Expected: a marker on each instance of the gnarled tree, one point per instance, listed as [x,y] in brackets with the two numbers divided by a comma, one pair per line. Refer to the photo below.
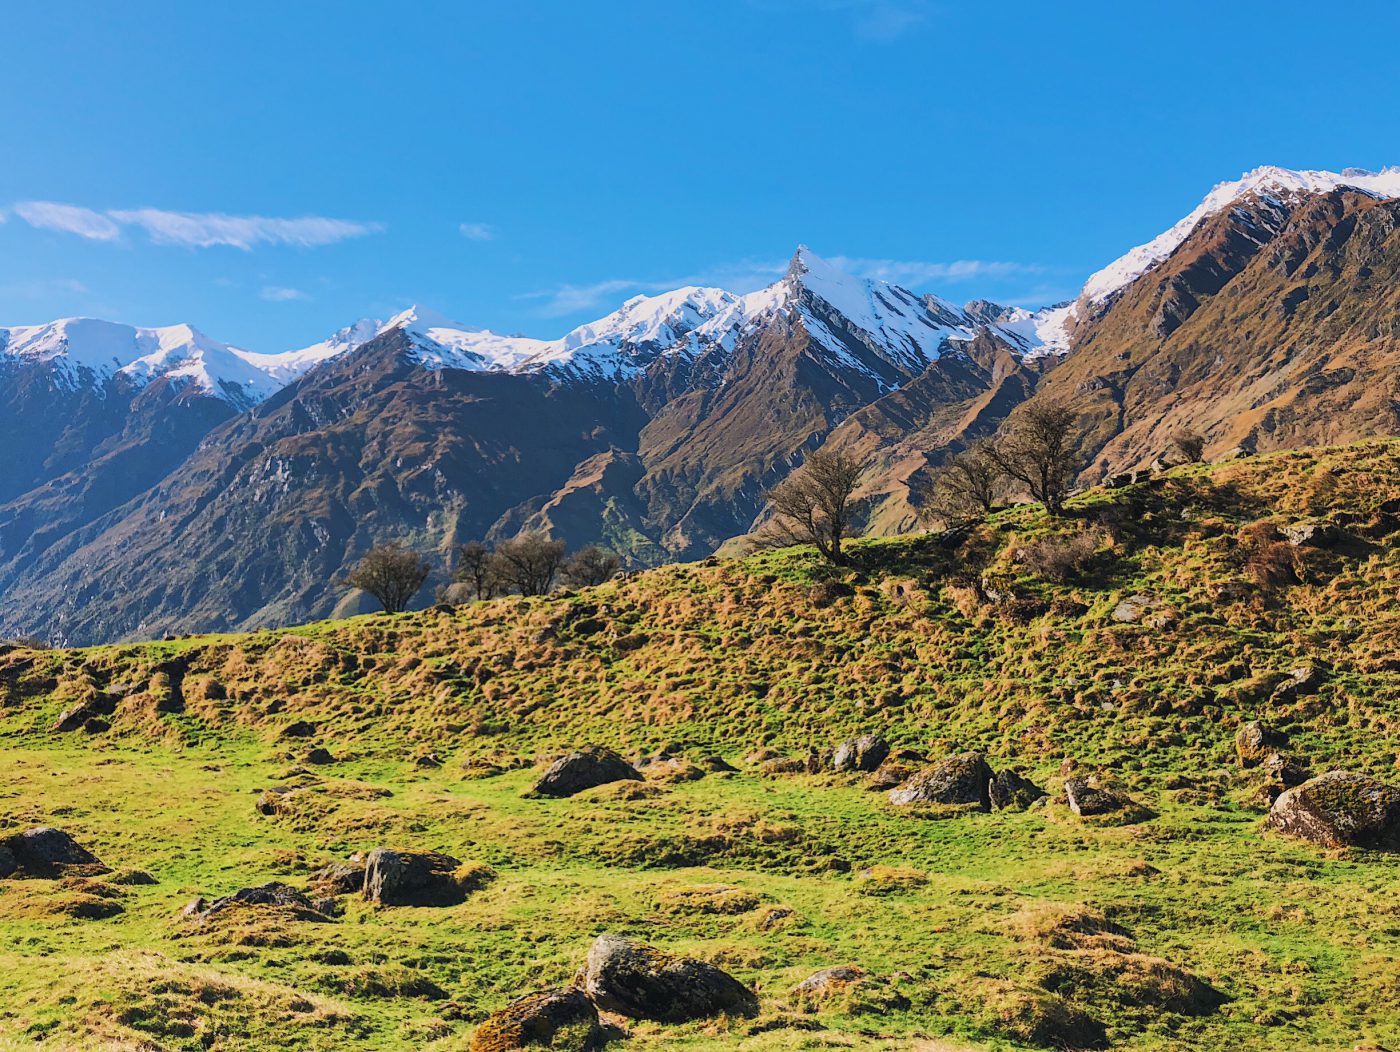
[965,488]
[816,505]
[476,568]
[391,573]
[591,566]
[529,562]
[1039,451]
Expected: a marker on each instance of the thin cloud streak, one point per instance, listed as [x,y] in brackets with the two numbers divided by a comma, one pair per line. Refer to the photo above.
[68,219]
[192,229]
[477,231]
[281,294]
[749,275]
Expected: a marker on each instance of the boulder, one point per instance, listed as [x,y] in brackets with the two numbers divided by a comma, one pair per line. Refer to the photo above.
[47,852]
[78,716]
[273,893]
[1340,809]
[1312,533]
[8,863]
[426,878]
[1285,770]
[673,769]
[1255,740]
[865,753]
[563,1019]
[1134,608]
[340,878]
[1087,799]
[584,769]
[319,756]
[1010,791]
[646,983]
[961,779]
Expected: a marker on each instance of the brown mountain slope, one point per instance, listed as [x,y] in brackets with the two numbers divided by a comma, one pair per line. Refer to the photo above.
[1275,324]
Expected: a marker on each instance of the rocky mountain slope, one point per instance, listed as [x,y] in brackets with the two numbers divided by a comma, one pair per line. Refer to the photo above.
[1128,879]
[1266,318]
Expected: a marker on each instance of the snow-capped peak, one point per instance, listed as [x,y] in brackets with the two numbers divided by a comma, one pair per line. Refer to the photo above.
[91,350]
[1269,180]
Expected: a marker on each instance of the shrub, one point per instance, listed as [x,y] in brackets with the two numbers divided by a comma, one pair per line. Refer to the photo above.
[1061,559]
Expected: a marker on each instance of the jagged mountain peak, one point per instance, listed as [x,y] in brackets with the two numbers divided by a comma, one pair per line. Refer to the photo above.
[1269,180]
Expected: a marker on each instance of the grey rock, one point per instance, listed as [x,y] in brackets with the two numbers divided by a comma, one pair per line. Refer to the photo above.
[402,878]
[865,753]
[562,1019]
[1340,809]
[643,982]
[590,766]
[1010,791]
[961,779]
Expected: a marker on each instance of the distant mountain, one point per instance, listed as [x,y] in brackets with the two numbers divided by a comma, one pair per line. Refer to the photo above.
[170,483]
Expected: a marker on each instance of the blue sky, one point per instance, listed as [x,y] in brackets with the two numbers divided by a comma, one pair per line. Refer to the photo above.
[270,172]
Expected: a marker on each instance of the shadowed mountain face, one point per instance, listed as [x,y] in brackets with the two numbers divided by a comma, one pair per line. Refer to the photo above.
[1272,320]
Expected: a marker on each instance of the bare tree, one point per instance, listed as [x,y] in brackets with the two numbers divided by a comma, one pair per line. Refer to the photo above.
[591,566]
[1039,452]
[814,505]
[391,573]
[476,568]
[965,488]
[1188,447]
[529,562]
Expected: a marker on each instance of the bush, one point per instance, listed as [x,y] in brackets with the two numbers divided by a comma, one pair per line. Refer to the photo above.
[1266,558]
[1061,559]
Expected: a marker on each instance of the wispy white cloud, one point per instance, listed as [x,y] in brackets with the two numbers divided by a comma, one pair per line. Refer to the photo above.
[192,229]
[204,229]
[477,231]
[884,20]
[282,294]
[70,219]
[918,271]
[747,275]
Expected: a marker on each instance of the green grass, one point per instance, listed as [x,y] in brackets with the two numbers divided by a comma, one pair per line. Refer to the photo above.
[725,658]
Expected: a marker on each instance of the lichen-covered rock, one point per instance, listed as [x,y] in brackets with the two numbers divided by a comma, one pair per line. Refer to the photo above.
[340,878]
[897,769]
[274,893]
[961,779]
[1340,809]
[48,852]
[1312,533]
[1011,791]
[1134,608]
[1088,799]
[581,770]
[420,878]
[562,1019]
[865,753]
[1255,740]
[646,983]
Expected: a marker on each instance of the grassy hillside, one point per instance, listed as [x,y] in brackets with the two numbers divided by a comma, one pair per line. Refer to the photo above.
[1193,929]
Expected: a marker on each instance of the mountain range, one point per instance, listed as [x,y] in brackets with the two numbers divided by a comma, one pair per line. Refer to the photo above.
[167,482]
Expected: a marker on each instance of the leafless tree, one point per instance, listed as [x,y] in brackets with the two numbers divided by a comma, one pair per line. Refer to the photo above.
[965,487]
[529,562]
[391,573]
[591,566]
[1039,451]
[477,568]
[815,504]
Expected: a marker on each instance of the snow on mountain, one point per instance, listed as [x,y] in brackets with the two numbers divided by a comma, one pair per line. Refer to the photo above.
[287,366]
[1279,183]
[89,350]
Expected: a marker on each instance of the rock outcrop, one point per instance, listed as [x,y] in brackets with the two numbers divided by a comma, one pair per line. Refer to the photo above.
[1340,809]
[643,982]
[562,1019]
[961,779]
[419,878]
[590,766]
